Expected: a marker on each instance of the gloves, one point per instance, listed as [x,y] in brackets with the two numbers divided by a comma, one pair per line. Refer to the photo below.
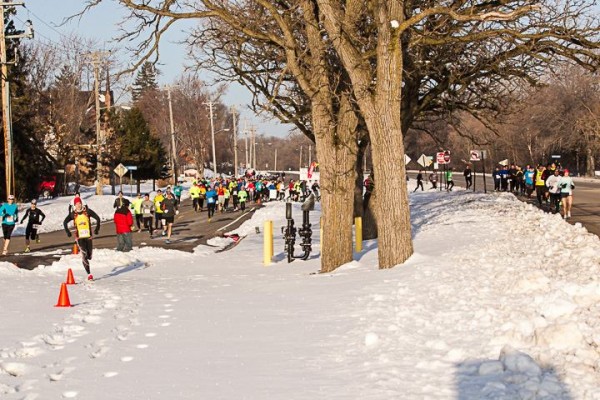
[69,234]
[97,230]
[176,212]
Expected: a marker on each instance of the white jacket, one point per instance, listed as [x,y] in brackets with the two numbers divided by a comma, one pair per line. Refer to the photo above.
[552,183]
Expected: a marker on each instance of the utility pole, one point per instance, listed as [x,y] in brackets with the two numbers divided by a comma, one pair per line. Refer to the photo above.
[235,156]
[300,163]
[9,168]
[253,131]
[246,140]
[173,149]
[95,58]
[275,166]
[210,105]
[309,154]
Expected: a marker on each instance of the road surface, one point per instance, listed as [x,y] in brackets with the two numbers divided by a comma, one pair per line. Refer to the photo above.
[189,230]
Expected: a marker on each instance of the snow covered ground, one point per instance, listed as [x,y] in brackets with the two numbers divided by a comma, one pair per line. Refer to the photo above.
[499,301]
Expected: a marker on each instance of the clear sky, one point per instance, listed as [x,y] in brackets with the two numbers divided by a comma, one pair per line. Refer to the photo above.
[100,23]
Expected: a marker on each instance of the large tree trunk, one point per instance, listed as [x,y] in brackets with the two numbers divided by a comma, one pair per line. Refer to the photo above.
[336,146]
[590,163]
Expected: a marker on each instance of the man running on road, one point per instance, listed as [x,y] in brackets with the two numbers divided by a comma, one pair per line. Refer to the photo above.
[83,232]
[36,217]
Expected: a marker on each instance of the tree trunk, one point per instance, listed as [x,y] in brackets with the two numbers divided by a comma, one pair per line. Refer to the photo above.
[363,207]
[337,147]
[590,163]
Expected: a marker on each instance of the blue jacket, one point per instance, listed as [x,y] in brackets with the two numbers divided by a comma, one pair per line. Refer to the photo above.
[211,196]
[9,213]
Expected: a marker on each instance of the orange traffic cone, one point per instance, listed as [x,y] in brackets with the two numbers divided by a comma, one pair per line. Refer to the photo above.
[63,297]
[75,249]
[70,278]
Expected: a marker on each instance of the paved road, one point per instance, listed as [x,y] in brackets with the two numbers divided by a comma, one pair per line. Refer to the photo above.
[190,230]
[586,199]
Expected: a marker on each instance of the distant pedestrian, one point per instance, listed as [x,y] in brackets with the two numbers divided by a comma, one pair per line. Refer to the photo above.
[468,174]
[34,217]
[83,231]
[449,180]
[419,181]
[10,215]
[242,197]
[211,202]
[433,180]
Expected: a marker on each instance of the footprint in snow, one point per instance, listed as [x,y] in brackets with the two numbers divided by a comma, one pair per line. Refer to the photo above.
[126,359]
[150,334]
[142,346]
[110,374]
[71,394]
[164,316]
[100,352]
[165,324]
[13,368]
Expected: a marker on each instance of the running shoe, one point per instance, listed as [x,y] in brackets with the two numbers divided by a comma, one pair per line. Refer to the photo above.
[167,241]
[90,277]
[27,249]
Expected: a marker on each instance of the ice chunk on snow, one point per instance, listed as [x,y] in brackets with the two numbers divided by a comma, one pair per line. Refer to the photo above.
[491,368]
[516,361]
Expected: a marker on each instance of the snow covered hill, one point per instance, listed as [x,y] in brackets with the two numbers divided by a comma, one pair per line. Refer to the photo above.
[499,301]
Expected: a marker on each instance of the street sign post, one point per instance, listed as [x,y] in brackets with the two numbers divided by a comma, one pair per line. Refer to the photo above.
[424,161]
[120,170]
[131,168]
[439,157]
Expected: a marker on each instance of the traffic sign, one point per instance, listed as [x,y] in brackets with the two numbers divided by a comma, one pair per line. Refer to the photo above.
[439,157]
[475,155]
[120,170]
[424,161]
[131,167]
[447,156]
[406,159]
[556,156]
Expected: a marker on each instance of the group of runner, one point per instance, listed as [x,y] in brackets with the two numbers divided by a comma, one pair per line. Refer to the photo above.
[551,183]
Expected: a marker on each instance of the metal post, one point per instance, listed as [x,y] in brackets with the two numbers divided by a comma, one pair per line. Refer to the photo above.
[483,165]
[174,150]
[300,162]
[309,154]
[235,154]
[98,132]
[212,135]
[275,166]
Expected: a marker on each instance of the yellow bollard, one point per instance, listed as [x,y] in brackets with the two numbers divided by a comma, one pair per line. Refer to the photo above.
[358,233]
[271,233]
[268,243]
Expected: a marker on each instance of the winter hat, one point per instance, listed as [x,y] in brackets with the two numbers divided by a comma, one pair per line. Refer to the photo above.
[77,200]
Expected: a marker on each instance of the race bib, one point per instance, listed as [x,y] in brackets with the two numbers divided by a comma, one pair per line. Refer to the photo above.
[166,211]
[147,212]
[36,226]
[9,218]
[211,200]
[84,233]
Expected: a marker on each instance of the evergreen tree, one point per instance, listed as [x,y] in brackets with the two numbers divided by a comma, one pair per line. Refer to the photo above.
[137,146]
[145,80]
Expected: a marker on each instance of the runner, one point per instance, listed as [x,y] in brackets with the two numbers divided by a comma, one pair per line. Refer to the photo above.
[566,192]
[177,189]
[36,217]
[147,211]
[170,209]
[83,232]
[449,181]
[10,215]
[555,191]
[242,197]
[136,206]
[468,176]
[433,180]
[419,181]
[211,202]
[195,196]
[157,210]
